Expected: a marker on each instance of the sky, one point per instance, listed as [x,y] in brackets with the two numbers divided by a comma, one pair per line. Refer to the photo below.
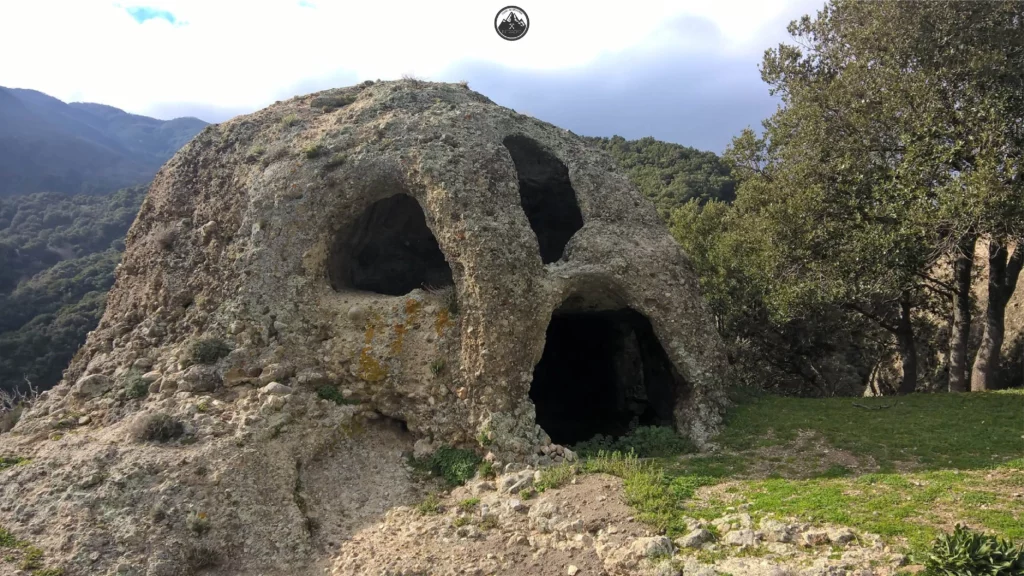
[684,71]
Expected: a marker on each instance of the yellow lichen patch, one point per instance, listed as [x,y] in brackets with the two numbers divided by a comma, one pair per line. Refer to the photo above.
[442,322]
[396,344]
[371,328]
[369,368]
[412,309]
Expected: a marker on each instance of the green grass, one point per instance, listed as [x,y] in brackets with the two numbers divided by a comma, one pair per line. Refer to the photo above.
[11,461]
[935,431]
[454,465]
[937,459]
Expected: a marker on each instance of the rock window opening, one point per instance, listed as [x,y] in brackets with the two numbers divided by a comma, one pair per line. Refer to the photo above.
[546,195]
[389,250]
[602,373]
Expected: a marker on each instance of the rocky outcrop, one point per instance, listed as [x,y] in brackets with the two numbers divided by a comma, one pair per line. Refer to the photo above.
[396,251]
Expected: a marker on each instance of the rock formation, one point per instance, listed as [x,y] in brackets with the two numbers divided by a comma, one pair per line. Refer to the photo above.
[399,249]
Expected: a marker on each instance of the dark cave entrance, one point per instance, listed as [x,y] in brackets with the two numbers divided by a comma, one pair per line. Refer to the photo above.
[389,250]
[546,195]
[602,373]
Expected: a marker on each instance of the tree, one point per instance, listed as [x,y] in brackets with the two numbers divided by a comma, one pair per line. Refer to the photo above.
[898,140]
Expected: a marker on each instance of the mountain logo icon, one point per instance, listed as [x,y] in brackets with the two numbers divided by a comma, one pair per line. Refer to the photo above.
[511,23]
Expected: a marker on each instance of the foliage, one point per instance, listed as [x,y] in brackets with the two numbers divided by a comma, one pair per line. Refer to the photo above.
[332,102]
[430,505]
[207,350]
[8,461]
[454,465]
[57,260]
[328,392]
[968,553]
[134,385]
[158,427]
[668,174]
[644,442]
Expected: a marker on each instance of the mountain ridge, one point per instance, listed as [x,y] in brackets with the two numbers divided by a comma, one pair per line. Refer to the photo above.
[48,145]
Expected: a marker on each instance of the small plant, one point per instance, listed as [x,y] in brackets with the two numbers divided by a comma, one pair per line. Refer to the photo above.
[9,461]
[336,160]
[486,470]
[7,539]
[965,552]
[447,296]
[289,120]
[48,572]
[207,350]
[460,521]
[255,152]
[437,366]
[13,403]
[32,560]
[158,427]
[165,236]
[645,442]
[198,523]
[313,151]
[135,386]
[555,477]
[430,505]
[455,465]
[203,406]
[328,392]
[199,556]
[468,504]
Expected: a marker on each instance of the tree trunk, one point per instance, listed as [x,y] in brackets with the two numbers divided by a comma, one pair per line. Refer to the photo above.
[908,349]
[1002,279]
[961,330]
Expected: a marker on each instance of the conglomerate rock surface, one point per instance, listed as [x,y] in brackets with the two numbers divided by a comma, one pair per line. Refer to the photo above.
[435,265]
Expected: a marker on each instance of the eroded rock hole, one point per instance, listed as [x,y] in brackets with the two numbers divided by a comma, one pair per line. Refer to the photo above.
[546,195]
[389,250]
[602,373]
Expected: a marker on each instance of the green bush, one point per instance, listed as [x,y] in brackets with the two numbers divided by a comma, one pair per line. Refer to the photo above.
[313,151]
[332,102]
[332,393]
[644,442]
[135,386]
[289,120]
[969,553]
[159,427]
[455,465]
[207,350]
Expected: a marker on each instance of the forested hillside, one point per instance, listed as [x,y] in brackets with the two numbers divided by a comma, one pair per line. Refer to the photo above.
[57,259]
[671,174]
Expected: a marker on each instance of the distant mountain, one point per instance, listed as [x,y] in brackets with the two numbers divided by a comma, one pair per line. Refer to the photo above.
[47,145]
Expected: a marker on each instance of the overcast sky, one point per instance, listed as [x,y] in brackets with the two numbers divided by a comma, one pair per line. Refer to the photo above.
[683,71]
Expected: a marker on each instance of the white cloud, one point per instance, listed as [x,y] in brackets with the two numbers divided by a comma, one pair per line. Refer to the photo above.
[232,54]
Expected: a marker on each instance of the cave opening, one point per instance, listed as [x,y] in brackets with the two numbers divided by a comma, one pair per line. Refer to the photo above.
[389,250]
[546,195]
[602,372]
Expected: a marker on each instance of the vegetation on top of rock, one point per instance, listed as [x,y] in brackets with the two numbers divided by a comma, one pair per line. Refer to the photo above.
[157,427]
[207,350]
[328,392]
[644,442]
[454,465]
[965,552]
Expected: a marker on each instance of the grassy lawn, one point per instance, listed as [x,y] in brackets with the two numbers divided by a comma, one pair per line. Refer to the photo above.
[907,472]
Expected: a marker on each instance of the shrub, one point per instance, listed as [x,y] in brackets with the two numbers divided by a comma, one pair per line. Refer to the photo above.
[332,102]
[33,559]
[135,386]
[431,505]
[198,523]
[969,553]
[437,366]
[313,151]
[207,350]
[468,504]
[8,461]
[165,236]
[644,442]
[335,161]
[289,120]
[7,539]
[455,465]
[328,392]
[158,426]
